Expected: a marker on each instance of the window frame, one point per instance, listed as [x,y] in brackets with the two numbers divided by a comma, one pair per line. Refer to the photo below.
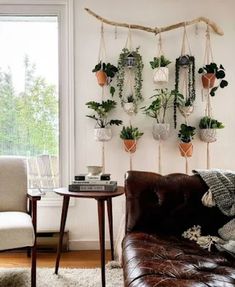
[63,9]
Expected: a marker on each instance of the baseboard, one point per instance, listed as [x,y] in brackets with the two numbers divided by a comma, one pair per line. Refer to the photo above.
[86,245]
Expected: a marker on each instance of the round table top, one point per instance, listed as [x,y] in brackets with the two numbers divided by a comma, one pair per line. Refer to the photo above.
[90,194]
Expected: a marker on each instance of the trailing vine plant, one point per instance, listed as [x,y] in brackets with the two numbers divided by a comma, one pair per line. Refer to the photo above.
[130,61]
[185,62]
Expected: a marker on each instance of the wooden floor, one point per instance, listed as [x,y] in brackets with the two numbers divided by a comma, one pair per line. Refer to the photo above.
[71,259]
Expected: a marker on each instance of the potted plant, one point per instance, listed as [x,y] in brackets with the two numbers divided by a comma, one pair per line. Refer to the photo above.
[136,67]
[162,101]
[102,130]
[130,135]
[208,127]
[210,73]
[185,135]
[129,105]
[160,69]
[104,73]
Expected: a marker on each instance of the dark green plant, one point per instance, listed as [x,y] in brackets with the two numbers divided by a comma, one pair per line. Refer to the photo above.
[159,62]
[101,113]
[130,133]
[137,70]
[163,100]
[209,123]
[186,133]
[219,73]
[185,62]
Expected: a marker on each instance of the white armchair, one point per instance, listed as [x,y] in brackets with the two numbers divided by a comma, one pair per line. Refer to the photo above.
[17,224]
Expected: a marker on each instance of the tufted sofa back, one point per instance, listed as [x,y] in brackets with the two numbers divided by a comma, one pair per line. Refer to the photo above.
[168,204]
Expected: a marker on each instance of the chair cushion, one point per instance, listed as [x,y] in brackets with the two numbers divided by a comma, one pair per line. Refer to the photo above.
[16,230]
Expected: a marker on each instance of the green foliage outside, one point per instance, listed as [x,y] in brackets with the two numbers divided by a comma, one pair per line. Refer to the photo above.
[29,119]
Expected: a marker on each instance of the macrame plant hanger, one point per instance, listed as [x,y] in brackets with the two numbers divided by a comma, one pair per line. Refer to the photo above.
[101,59]
[159,54]
[130,89]
[185,89]
[208,58]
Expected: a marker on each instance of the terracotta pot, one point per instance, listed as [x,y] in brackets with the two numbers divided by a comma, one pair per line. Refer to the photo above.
[101,78]
[208,80]
[186,149]
[160,74]
[130,145]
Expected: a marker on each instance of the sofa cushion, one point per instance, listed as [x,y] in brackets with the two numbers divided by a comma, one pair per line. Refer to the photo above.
[161,260]
[16,230]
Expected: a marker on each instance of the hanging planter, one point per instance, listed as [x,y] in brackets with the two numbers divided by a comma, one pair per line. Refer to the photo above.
[101,78]
[102,131]
[186,134]
[186,111]
[162,102]
[208,129]
[104,73]
[160,69]
[132,67]
[130,145]
[161,131]
[208,80]
[210,73]
[185,102]
[102,134]
[130,135]
[186,149]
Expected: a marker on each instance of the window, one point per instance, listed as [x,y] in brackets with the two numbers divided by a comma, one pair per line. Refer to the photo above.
[36,94]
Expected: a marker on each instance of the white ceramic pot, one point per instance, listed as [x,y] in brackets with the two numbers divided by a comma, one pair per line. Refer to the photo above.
[208,135]
[103,134]
[129,108]
[161,131]
[160,74]
[186,110]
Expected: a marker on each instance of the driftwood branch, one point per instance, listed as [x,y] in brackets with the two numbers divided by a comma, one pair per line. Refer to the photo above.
[157,30]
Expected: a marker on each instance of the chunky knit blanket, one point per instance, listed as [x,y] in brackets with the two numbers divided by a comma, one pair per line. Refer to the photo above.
[221,184]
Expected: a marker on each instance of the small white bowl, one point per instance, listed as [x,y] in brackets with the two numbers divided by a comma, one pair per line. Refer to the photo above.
[94,169]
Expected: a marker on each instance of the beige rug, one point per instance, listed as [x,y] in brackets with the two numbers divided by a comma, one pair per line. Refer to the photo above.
[20,277]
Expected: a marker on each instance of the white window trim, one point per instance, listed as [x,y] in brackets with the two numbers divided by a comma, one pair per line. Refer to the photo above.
[64,9]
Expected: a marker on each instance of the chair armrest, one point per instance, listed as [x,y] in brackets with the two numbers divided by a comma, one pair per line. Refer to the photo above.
[34,195]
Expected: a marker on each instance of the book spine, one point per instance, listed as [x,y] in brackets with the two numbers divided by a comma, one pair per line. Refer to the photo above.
[78,187]
[97,182]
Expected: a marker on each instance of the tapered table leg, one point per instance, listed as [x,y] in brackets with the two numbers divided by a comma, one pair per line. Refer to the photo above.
[110,217]
[101,217]
[62,226]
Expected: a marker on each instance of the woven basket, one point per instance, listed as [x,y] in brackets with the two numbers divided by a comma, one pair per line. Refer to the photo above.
[208,135]
[102,134]
[160,74]
[161,131]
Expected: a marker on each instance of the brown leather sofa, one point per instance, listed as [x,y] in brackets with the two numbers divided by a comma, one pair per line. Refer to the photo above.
[158,210]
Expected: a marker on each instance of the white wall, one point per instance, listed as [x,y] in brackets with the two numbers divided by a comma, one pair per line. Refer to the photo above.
[82,218]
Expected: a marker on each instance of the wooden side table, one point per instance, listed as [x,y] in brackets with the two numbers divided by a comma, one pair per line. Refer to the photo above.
[100,197]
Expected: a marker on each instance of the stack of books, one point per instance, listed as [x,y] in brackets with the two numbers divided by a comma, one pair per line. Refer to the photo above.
[87,182]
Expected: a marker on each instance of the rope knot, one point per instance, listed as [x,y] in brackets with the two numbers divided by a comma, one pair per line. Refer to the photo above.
[157,30]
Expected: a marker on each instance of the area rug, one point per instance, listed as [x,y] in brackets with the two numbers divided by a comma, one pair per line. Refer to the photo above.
[20,277]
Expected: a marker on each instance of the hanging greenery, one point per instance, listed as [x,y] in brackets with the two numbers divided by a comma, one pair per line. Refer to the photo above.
[131,60]
[185,62]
